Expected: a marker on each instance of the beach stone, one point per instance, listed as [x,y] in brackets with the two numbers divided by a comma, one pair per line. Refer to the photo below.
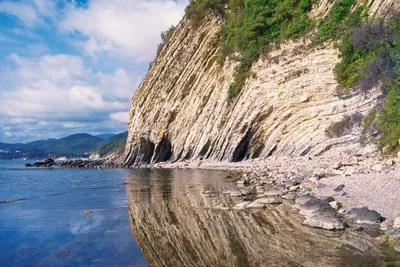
[236,194]
[342,210]
[339,188]
[324,222]
[290,196]
[320,185]
[256,205]
[318,173]
[242,205]
[294,188]
[291,182]
[387,225]
[269,200]
[377,167]
[307,184]
[389,162]
[312,206]
[259,190]
[221,207]
[245,192]
[363,216]
[383,239]
[335,205]
[273,192]
[242,182]
[350,170]
[397,246]
[396,223]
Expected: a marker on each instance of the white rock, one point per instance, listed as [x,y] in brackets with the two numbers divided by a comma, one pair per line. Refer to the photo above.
[324,222]
[377,167]
[256,205]
[389,162]
[386,225]
[236,194]
[245,192]
[396,222]
[221,207]
[335,205]
[269,200]
[242,205]
[294,188]
[273,192]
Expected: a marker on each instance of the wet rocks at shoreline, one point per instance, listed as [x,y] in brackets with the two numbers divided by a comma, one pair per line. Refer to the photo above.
[74,163]
[305,184]
[42,164]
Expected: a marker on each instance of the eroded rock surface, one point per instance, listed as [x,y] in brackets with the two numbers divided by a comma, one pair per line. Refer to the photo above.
[181,110]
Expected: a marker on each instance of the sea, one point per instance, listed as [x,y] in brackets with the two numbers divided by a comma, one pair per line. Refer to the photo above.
[158,217]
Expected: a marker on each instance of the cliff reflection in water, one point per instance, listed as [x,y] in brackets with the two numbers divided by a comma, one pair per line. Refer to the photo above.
[174,224]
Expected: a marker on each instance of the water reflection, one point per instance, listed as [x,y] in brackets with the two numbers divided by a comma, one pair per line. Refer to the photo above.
[174,224]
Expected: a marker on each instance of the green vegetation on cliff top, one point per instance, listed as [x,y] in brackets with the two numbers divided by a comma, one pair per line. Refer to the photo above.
[251,27]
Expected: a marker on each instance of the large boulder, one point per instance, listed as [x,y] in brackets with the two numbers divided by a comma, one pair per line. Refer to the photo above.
[363,216]
[318,212]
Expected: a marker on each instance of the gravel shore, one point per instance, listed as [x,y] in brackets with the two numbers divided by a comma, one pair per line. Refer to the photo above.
[372,182]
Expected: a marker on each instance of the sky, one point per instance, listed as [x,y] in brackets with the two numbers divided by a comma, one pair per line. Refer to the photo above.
[69,66]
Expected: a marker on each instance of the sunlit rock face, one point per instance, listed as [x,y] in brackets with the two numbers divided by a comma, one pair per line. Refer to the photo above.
[181,110]
[174,224]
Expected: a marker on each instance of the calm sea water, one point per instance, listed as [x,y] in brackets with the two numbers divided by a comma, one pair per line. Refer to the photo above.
[158,217]
[48,227]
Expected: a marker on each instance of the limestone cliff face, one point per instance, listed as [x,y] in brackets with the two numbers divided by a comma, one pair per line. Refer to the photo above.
[181,112]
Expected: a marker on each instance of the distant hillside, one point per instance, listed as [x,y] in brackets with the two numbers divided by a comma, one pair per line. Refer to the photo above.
[113,145]
[75,145]
[105,136]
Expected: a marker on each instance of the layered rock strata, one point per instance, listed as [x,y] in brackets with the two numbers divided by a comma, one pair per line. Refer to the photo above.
[181,110]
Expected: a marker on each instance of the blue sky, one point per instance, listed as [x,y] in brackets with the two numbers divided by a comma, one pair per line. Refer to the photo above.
[72,66]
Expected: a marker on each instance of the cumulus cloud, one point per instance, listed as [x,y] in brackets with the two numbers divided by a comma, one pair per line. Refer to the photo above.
[123,28]
[120,116]
[30,12]
[58,91]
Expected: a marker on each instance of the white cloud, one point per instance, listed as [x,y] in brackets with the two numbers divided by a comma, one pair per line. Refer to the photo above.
[120,116]
[25,12]
[58,94]
[31,12]
[123,28]
[58,91]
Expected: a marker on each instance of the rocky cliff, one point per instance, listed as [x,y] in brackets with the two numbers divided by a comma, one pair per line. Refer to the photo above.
[181,109]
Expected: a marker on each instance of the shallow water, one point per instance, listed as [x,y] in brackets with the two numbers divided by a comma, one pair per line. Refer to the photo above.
[49,227]
[156,217]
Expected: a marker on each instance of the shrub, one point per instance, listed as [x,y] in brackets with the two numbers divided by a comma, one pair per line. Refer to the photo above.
[368,120]
[252,26]
[336,129]
[389,121]
[370,58]
[332,26]
[165,37]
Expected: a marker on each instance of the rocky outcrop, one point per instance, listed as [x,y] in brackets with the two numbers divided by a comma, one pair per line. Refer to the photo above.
[48,163]
[74,163]
[181,109]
